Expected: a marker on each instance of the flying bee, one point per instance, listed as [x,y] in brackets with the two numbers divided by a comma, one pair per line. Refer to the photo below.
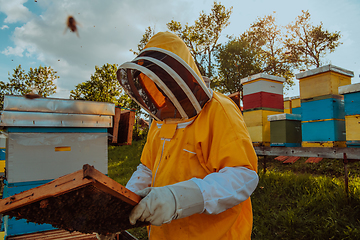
[72,25]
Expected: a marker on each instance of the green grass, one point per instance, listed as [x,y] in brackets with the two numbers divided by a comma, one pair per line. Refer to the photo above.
[292,201]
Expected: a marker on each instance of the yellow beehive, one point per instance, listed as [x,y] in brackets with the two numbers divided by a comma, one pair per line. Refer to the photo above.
[323,81]
[258,125]
[287,105]
[352,124]
[295,102]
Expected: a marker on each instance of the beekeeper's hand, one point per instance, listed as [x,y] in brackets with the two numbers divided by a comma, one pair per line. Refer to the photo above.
[163,204]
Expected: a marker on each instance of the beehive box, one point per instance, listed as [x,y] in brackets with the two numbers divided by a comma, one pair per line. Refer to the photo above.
[351,98]
[324,107]
[263,99]
[323,131]
[287,105]
[323,81]
[48,138]
[86,201]
[352,123]
[258,125]
[285,130]
[262,83]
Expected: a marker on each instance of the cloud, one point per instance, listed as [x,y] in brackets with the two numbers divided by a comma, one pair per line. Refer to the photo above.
[108,30]
[15,11]
[4,27]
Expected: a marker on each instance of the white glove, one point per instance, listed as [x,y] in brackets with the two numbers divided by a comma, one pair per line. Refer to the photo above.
[163,204]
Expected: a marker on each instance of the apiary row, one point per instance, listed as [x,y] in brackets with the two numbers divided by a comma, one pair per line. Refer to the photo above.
[326,114]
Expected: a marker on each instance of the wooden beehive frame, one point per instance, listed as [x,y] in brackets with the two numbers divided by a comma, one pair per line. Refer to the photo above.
[87,177]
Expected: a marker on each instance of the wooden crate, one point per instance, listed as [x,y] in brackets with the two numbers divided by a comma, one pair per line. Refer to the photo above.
[327,144]
[324,107]
[285,130]
[123,123]
[323,131]
[352,123]
[76,202]
[263,99]
[351,98]
[323,81]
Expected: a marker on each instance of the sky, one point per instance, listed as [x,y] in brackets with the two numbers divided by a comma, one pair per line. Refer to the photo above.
[34,33]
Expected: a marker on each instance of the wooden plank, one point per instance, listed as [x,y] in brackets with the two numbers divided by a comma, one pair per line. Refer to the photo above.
[351,153]
[52,189]
[127,121]
[110,186]
[292,159]
[281,158]
[53,235]
[116,123]
[313,160]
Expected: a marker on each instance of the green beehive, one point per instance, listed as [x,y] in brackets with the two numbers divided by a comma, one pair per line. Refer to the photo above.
[285,130]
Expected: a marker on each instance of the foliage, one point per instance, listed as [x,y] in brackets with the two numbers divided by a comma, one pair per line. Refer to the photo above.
[236,59]
[37,80]
[266,37]
[307,44]
[202,37]
[103,86]
[149,32]
[291,206]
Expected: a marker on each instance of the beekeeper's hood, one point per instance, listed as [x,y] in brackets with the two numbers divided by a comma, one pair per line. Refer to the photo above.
[164,79]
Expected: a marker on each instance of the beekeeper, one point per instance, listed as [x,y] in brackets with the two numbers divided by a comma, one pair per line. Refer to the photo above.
[198,166]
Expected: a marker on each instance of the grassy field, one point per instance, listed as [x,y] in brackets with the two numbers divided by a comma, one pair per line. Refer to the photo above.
[292,201]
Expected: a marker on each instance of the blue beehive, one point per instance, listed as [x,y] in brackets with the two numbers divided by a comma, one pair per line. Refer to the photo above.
[327,107]
[323,131]
[351,98]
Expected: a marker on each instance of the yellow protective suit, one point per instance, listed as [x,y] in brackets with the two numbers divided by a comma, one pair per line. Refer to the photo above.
[214,138]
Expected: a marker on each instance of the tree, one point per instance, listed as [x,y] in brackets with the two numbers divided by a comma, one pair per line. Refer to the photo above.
[266,37]
[149,32]
[307,44]
[103,86]
[236,60]
[202,37]
[38,80]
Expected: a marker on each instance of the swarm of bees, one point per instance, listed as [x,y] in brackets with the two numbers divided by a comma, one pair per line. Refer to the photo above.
[72,25]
